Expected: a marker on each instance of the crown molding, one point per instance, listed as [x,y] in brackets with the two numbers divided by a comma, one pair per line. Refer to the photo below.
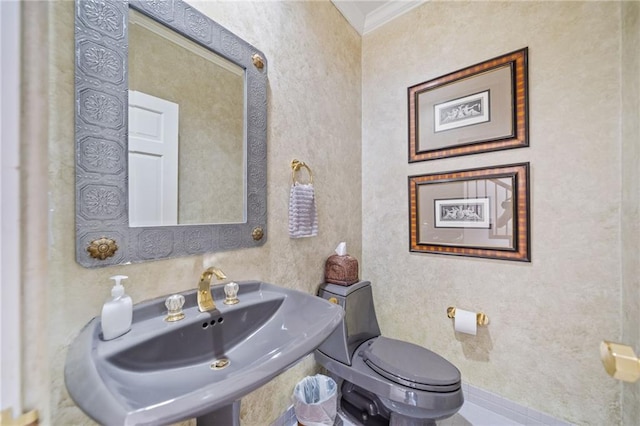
[352,14]
[388,12]
[364,22]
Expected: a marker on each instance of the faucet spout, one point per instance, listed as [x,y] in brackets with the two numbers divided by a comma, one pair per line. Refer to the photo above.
[205,300]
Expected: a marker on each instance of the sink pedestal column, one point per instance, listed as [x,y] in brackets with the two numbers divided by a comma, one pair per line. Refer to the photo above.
[225,416]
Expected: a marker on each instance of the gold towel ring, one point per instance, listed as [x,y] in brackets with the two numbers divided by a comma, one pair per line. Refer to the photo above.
[295,167]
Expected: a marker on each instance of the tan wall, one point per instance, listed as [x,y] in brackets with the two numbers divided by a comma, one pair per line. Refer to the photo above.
[548,316]
[314,115]
[630,219]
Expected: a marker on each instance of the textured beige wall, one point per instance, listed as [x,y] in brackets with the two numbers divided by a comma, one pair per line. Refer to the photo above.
[547,316]
[631,197]
[314,115]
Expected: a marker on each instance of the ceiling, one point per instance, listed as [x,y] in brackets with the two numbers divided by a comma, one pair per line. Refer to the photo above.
[365,15]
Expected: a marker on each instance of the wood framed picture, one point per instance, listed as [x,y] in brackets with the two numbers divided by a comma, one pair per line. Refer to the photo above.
[480,108]
[479,212]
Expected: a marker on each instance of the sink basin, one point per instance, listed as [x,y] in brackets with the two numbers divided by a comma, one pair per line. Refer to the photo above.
[164,372]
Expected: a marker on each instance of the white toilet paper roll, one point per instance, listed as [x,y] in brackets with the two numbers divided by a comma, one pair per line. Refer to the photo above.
[465,322]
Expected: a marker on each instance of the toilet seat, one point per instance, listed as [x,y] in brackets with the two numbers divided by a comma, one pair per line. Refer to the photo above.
[410,365]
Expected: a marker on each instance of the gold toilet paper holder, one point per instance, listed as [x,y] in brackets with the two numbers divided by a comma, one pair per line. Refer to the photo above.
[481,317]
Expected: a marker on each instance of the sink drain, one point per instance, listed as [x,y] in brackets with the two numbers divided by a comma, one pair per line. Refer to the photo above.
[219,364]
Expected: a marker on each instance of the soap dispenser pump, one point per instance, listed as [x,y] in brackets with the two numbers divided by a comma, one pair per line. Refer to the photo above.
[117,313]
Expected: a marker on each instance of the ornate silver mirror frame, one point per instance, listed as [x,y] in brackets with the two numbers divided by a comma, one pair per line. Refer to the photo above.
[103,234]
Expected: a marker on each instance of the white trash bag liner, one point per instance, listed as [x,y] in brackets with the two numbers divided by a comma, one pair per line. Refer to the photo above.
[315,400]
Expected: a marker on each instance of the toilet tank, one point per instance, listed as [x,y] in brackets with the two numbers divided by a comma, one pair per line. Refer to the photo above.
[359,323]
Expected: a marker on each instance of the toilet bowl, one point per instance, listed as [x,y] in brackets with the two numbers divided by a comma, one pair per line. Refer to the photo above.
[383,381]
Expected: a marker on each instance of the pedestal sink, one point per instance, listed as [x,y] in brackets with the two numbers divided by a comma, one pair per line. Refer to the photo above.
[200,367]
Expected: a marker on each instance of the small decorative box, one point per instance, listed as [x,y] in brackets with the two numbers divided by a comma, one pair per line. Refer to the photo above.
[341,269]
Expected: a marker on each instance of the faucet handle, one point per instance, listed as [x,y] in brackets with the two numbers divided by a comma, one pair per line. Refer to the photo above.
[174,308]
[231,293]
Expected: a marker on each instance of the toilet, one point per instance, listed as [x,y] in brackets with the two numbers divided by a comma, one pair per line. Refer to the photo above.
[383,381]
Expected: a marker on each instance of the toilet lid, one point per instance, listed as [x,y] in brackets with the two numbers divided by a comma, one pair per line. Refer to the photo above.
[411,365]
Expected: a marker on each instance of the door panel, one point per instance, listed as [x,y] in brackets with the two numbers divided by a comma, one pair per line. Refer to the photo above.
[153,160]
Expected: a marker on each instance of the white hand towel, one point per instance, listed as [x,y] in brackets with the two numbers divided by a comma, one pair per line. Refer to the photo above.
[303,219]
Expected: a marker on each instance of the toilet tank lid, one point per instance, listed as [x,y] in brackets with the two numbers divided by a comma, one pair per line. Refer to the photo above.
[341,290]
[411,365]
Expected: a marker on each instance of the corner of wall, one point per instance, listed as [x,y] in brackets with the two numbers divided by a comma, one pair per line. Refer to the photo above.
[34,206]
[630,217]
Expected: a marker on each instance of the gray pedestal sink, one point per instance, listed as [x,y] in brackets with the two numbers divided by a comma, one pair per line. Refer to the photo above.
[199,367]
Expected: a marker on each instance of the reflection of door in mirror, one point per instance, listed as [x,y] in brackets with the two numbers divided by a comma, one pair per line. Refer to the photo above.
[153,160]
[209,91]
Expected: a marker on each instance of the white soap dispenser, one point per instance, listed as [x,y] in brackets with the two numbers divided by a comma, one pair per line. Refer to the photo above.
[117,312]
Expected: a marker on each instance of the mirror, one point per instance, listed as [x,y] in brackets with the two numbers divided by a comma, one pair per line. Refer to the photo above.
[196,174]
[219,194]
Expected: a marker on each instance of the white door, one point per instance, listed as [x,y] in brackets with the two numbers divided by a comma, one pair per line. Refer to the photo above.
[153,160]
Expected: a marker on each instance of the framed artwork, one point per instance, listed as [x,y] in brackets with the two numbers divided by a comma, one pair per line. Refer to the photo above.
[462,213]
[479,212]
[477,109]
[466,111]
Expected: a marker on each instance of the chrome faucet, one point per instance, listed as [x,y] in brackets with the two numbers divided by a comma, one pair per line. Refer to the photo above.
[205,301]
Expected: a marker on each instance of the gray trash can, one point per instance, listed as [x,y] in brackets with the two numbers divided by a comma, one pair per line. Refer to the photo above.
[315,400]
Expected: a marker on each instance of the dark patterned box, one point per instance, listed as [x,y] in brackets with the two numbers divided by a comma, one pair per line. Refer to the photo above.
[341,270]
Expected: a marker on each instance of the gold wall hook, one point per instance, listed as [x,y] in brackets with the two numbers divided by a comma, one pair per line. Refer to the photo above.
[296,165]
[481,317]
